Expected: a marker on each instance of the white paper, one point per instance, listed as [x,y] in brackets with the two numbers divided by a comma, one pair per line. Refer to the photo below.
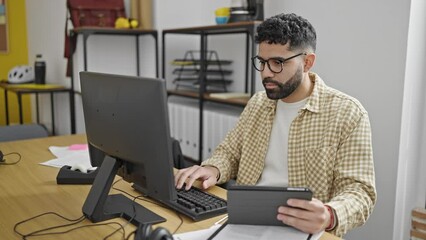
[196,235]
[65,156]
[255,232]
[247,232]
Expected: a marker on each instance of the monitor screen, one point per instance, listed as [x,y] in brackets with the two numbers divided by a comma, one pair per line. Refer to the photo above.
[126,120]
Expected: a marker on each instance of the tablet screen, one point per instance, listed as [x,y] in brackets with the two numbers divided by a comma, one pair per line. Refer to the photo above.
[258,205]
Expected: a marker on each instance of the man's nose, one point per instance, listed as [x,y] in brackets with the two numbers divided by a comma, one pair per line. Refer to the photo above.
[267,73]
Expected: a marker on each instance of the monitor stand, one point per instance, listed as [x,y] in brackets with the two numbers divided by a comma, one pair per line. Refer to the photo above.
[99,206]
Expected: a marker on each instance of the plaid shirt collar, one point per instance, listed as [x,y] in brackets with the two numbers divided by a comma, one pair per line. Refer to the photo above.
[313,103]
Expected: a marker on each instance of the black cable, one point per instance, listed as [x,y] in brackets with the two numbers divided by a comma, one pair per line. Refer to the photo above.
[128,222]
[131,234]
[153,202]
[116,230]
[181,222]
[74,221]
[42,232]
[116,181]
[121,215]
[79,227]
[3,162]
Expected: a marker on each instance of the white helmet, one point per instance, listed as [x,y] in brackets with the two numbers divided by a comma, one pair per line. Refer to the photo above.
[21,74]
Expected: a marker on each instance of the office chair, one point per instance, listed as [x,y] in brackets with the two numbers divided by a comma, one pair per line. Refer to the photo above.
[20,132]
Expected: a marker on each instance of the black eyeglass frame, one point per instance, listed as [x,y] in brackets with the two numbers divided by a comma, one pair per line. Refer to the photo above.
[281,59]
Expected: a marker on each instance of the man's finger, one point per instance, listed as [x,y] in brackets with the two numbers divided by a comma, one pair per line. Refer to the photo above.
[209,182]
[182,175]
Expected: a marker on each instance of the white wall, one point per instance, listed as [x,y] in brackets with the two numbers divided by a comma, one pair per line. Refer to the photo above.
[46,36]
[361,50]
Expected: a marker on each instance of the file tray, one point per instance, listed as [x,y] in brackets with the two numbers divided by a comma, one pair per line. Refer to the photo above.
[258,205]
[68,176]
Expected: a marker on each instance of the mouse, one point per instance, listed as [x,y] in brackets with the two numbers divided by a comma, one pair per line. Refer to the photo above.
[79,167]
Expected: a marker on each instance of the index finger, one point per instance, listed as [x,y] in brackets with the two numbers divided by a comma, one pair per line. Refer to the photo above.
[300,203]
[181,176]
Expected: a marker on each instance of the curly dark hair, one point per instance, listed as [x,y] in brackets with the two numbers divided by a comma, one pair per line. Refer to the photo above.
[287,28]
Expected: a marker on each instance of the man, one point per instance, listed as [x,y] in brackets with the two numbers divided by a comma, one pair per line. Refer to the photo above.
[298,132]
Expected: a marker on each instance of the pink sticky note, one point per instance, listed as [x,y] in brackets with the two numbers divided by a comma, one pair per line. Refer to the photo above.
[78,147]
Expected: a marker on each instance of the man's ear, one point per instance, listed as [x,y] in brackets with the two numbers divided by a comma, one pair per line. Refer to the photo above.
[309,61]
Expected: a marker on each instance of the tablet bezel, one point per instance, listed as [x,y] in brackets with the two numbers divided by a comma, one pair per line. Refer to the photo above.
[258,205]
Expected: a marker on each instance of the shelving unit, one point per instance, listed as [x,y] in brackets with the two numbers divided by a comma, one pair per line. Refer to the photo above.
[247,28]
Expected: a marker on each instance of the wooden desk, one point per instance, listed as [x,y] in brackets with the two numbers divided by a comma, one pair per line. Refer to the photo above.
[21,89]
[29,189]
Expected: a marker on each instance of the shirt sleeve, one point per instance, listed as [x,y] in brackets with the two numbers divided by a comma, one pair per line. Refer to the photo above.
[354,191]
[226,156]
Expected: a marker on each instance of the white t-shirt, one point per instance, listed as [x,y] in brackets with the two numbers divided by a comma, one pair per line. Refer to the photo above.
[275,172]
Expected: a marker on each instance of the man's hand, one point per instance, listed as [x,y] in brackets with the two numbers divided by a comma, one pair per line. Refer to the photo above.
[307,216]
[207,174]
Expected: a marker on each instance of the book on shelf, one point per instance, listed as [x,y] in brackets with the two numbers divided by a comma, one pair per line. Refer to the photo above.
[229,95]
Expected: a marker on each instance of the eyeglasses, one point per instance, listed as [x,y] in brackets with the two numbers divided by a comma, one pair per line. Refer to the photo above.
[275,64]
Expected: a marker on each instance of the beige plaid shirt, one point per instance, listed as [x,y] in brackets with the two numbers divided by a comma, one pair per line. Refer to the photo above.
[329,151]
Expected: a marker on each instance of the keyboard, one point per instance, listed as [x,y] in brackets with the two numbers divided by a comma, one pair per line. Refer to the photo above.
[198,204]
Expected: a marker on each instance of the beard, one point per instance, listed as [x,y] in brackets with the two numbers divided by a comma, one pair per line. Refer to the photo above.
[283,90]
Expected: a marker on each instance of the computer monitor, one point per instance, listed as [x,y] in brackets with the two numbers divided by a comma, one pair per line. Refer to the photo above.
[126,119]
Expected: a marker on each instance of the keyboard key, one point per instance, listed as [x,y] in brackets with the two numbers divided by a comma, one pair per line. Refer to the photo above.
[200,204]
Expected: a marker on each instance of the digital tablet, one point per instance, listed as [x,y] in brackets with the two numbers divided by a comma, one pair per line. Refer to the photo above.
[258,205]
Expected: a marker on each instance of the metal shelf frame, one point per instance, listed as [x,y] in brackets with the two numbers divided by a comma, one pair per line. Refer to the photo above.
[248,28]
